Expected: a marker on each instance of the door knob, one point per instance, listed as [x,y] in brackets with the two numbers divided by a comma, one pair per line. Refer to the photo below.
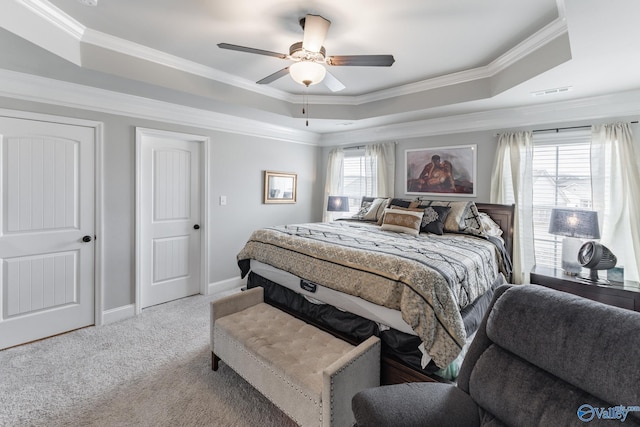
[86,239]
[196,227]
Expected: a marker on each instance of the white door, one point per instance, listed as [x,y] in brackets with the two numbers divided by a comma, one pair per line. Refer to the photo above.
[47,229]
[169,220]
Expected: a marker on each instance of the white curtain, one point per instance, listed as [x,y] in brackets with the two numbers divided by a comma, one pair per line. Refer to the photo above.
[615,178]
[380,165]
[334,181]
[511,182]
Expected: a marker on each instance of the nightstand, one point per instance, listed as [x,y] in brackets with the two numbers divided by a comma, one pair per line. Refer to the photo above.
[624,295]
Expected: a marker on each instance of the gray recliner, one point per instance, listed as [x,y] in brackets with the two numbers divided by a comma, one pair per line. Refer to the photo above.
[540,358]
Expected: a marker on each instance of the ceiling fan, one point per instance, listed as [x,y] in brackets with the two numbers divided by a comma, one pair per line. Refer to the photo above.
[309,57]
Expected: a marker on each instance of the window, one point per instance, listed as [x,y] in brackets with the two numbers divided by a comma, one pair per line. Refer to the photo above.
[561,177]
[359,179]
[360,171]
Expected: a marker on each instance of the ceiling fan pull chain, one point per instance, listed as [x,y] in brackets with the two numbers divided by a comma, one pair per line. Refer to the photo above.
[305,105]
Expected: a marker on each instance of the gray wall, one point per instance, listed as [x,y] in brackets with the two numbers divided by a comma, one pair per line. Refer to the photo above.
[487,142]
[236,166]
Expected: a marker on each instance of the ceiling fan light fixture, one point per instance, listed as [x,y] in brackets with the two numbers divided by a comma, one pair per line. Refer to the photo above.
[307,73]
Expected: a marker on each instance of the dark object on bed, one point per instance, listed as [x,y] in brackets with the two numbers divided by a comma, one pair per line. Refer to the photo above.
[575,360]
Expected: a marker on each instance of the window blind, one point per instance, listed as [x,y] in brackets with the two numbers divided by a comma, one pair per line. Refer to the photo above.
[358,179]
[562,178]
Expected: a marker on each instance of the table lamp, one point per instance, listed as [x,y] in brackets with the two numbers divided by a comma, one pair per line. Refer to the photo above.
[338,204]
[574,225]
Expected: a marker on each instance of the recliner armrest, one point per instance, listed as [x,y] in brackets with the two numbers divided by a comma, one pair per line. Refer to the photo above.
[415,404]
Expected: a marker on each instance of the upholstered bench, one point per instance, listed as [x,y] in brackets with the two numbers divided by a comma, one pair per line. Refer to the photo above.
[309,374]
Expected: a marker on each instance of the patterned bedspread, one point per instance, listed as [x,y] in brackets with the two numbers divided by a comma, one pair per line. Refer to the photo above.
[429,278]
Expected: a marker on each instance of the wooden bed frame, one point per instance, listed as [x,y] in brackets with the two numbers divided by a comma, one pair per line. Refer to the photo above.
[393,371]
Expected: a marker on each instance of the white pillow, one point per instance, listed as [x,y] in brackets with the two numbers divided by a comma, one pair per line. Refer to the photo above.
[376,209]
[489,227]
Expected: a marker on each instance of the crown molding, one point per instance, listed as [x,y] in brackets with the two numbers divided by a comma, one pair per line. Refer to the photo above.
[40,89]
[532,43]
[55,16]
[126,47]
[584,110]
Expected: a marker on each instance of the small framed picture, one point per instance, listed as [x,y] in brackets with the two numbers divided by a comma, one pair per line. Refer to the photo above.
[280,187]
[449,171]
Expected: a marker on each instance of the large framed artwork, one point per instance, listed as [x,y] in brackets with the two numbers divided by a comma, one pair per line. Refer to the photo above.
[280,187]
[449,171]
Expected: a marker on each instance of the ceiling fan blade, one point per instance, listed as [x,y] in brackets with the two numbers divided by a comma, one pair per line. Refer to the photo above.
[315,31]
[362,60]
[332,82]
[251,50]
[273,77]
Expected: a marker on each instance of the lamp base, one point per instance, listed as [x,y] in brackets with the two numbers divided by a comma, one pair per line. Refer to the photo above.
[570,248]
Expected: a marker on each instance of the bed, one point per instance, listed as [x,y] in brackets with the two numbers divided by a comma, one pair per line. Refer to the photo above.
[417,273]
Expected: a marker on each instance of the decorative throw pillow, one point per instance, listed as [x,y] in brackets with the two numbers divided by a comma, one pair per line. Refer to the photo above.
[402,203]
[463,217]
[364,208]
[376,209]
[434,218]
[402,221]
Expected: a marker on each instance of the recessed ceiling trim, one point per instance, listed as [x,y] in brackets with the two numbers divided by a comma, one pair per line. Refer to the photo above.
[139,51]
[39,89]
[585,110]
[544,36]
[547,34]
[55,16]
[87,35]
[55,92]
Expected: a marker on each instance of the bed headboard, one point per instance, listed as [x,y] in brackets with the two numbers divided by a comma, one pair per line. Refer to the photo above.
[503,215]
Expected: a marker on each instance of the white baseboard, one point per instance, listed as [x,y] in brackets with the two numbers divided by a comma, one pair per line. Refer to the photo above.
[226,285]
[126,311]
[120,313]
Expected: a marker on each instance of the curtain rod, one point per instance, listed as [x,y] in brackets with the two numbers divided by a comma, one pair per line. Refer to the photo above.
[359,147]
[566,128]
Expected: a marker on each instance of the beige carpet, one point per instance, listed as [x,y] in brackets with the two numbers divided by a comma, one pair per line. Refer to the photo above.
[151,370]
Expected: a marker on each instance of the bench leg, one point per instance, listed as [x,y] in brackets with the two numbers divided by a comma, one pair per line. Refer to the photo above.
[214,361]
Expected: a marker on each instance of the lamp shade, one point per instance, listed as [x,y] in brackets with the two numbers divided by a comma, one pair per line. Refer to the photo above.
[307,72]
[338,204]
[574,223]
